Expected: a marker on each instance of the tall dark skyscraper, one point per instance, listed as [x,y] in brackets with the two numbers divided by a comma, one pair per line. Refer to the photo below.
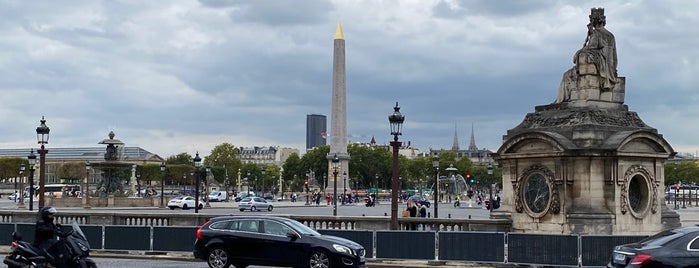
[316,130]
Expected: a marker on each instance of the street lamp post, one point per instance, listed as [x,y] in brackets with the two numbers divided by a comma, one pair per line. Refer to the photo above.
[32,164]
[86,192]
[396,122]
[305,184]
[247,179]
[264,176]
[206,186]
[239,189]
[162,184]
[281,186]
[335,161]
[344,186]
[490,177]
[435,192]
[42,136]
[20,203]
[197,165]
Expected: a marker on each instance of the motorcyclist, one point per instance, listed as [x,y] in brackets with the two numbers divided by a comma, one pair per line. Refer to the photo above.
[46,230]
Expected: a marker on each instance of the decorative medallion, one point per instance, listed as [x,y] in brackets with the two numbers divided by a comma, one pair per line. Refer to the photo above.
[536,190]
[639,193]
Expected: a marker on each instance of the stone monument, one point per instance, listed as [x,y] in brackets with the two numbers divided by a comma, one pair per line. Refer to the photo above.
[338,119]
[585,164]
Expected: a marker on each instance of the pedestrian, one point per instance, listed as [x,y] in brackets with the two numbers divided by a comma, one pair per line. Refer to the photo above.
[422,213]
[412,213]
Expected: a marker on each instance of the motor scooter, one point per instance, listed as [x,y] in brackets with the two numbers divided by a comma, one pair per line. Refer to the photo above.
[72,250]
[370,201]
[457,203]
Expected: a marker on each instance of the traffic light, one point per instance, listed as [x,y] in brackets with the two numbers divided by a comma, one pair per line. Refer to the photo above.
[305,183]
[470,179]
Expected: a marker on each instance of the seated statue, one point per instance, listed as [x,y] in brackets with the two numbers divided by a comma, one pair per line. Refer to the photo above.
[595,63]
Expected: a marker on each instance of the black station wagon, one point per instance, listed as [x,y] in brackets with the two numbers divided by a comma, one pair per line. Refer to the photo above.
[272,241]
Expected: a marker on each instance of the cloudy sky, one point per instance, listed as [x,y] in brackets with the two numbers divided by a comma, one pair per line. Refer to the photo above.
[184,76]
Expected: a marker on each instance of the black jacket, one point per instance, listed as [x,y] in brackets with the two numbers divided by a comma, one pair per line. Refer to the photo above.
[45,231]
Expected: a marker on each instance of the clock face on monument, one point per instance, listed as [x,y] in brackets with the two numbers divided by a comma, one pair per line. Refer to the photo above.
[536,193]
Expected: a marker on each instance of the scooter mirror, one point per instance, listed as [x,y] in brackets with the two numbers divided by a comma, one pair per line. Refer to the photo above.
[16,236]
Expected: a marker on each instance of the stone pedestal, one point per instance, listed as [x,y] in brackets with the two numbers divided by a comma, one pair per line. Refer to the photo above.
[585,169]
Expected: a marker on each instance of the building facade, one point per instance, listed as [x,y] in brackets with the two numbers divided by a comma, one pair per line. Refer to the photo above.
[270,155]
[316,129]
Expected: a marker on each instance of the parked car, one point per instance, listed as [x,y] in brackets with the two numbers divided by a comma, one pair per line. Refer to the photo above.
[420,200]
[670,248]
[13,197]
[217,196]
[271,241]
[183,202]
[242,195]
[254,203]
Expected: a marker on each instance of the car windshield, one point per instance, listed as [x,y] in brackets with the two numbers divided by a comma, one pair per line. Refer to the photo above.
[178,198]
[302,228]
[247,199]
[661,238]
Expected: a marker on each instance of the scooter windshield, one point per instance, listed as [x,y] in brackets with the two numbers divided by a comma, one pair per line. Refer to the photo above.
[77,230]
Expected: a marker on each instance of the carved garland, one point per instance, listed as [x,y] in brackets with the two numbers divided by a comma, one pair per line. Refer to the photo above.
[555,206]
[630,172]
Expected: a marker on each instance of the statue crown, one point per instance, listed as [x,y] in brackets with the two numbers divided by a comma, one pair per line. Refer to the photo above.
[597,13]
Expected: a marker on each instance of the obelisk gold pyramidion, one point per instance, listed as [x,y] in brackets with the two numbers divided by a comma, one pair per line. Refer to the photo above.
[338,119]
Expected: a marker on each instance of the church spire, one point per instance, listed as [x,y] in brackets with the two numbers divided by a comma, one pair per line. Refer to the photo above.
[472,145]
[455,146]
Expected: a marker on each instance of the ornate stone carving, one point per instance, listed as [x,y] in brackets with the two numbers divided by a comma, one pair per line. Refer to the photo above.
[574,117]
[649,179]
[555,203]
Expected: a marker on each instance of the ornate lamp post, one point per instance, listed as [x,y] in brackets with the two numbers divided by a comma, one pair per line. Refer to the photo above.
[239,189]
[435,192]
[335,161]
[20,203]
[86,192]
[281,187]
[162,184]
[32,167]
[490,177]
[197,165]
[264,176]
[206,186]
[344,186]
[42,136]
[247,180]
[305,184]
[396,120]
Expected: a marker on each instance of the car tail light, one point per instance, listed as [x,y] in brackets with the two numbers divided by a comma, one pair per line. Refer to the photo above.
[14,245]
[641,259]
[200,234]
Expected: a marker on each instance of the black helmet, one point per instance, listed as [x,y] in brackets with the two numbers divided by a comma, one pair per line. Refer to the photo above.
[46,211]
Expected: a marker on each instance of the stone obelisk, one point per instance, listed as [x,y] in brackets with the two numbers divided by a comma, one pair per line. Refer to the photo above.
[338,120]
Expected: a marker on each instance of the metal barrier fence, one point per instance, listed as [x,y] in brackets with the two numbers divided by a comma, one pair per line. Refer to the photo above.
[481,247]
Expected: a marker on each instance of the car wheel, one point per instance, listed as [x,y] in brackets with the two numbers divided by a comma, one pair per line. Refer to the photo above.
[185,206]
[319,259]
[269,208]
[218,258]
[201,206]
[172,208]
[242,209]
[253,208]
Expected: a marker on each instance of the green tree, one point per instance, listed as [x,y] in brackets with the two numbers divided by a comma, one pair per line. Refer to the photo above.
[71,172]
[180,159]
[368,162]
[223,160]
[686,172]
[293,172]
[9,167]
[316,160]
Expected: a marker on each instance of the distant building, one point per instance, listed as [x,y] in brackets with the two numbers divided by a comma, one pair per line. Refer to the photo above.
[479,157]
[316,130]
[271,155]
[56,157]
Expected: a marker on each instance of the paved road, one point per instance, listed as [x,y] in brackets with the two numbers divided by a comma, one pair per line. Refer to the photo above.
[446,210]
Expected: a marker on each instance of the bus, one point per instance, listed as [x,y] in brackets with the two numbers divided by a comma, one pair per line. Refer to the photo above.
[57,190]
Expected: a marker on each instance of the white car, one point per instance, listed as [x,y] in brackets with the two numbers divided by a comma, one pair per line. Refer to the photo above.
[13,197]
[183,202]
